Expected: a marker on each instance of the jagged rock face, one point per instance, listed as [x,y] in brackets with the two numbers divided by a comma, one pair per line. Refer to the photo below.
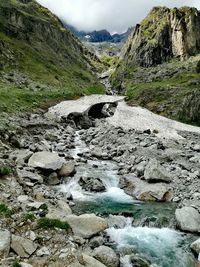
[165,33]
[190,109]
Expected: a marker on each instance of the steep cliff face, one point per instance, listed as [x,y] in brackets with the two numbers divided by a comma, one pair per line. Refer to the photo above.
[33,41]
[165,33]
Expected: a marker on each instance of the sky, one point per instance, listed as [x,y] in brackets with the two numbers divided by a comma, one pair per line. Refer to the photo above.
[113,15]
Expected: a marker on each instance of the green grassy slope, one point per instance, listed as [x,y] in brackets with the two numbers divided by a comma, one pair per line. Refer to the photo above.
[40,61]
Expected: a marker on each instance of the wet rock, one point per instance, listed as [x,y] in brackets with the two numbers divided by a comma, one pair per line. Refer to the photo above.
[195,246]
[67,169]
[46,160]
[188,219]
[86,225]
[92,184]
[5,238]
[116,221]
[96,242]
[53,179]
[23,247]
[137,261]
[154,172]
[106,255]
[149,192]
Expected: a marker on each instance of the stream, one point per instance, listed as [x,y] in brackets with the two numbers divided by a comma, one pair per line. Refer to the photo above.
[148,228]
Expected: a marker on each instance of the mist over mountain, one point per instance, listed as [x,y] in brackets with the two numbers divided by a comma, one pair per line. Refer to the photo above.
[112,15]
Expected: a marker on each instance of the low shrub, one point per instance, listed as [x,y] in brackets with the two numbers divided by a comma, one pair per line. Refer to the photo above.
[53,223]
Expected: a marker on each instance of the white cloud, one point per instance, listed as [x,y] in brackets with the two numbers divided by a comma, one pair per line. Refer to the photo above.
[113,15]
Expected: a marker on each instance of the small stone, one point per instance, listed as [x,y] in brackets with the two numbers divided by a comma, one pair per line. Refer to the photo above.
[44,251]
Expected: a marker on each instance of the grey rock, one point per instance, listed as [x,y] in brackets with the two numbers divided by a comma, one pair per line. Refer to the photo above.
[154,172]
[5,239]
[21,156]
[23,247]
[96,242]
[23,174]
[188,219]
[149,192]
[53,179]
[44,251]
[92,184]
[86,225]
[46,160]
[107,256]
[138,261]
[195,246]
[67,169]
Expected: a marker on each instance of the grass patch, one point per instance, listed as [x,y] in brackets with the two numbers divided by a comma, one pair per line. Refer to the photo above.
[14,99]
[16,264]
[5,211]
[5,170]
[29,217]
[47,223]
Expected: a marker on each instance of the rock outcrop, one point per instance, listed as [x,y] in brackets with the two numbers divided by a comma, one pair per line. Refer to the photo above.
[165,33]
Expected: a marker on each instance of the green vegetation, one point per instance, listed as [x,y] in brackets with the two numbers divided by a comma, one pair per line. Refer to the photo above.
[52,223]
[5,211]
[163,88]
[5,170]
[14,99]
[16,264]
[29,217]
[38,68]
[198,67]
[156,20]
[110,61]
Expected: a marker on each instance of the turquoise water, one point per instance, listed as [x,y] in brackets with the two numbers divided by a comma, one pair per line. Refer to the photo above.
[152,234]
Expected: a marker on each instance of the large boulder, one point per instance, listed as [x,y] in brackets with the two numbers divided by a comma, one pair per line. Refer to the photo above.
[92,184]
[46,160]
[86,225]
[144,191]
[107,256]
[188,219]
[4,243]
[154,172]
[23,247]
[195,246]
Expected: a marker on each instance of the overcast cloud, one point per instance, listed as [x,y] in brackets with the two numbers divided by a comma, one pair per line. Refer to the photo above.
[113,15]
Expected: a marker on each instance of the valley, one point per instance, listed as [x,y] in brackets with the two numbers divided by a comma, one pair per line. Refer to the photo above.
[97,165]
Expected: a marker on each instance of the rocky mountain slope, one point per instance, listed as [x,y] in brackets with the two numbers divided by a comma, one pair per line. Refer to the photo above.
[157,68]
[39,55]
[165,33]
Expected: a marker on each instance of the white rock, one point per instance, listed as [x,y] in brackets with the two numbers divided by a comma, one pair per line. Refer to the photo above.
[5,238]
[195,246]
[86,225]
[46,160]
[44,251]
[188,219]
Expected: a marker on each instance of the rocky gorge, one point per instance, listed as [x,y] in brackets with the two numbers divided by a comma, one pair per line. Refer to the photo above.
[97,194]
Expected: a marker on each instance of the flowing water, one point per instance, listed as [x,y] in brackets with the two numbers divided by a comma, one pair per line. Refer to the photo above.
[151,234]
